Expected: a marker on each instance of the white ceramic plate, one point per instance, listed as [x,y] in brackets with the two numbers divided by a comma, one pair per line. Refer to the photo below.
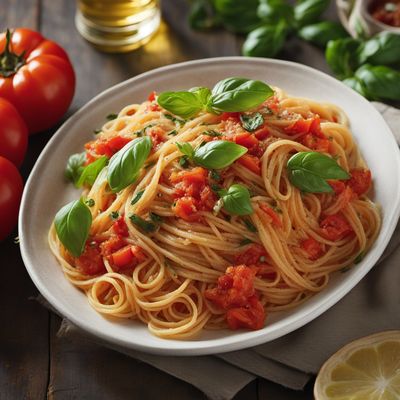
[46,191]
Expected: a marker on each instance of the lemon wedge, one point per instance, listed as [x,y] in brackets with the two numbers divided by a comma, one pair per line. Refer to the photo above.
[366,369]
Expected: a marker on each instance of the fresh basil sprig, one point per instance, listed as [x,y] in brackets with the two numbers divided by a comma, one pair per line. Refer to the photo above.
[251,122]
[74,167]
[145,226]
[308,11]
[217,154]
[232,95]
[341,56]
[126,164]
[309,170]
[236,200]
[91,171]
[321,33]
[72,223]
[272,11]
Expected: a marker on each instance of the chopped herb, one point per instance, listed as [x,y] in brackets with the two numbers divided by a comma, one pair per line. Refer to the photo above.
[227,217]
[141,223]
[345,269]
[97,131]
[137,197]
[202,143]
[330,138]
[215,188]
[359,258]
[138,133]
[114,215]
[141,132]
[174,132]
[155,218]
[90,202]
[112,116]
[149,165]
[244,242]
[212,133]
[184,161]
[249,225]
[215,175]
[278,210]
[174,119]
[251,122]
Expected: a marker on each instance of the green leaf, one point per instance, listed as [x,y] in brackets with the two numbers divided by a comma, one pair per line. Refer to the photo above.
[75,167]
[202,15]
[114,215]
[186,149]
[72,223]
[250,226]
[183,104]
[112,116]
[244,242]
[218,154]
[236,200]
[90,202]
[137,197]
[91,171]
[382,49]
[379,82]
[272,11]
[202,93]
[356,85]
[265,41]
[126,164]
[238,94]
[322,32]
[252,122]
[308,11]
[341,56]
[309,170]
[142,224]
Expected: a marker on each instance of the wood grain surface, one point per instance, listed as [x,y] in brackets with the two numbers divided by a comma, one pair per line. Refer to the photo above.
[34,362]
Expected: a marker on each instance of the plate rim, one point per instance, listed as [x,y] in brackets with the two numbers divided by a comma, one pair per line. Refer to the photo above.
[210,346]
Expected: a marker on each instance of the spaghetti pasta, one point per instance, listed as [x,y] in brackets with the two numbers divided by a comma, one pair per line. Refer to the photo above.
[164,249]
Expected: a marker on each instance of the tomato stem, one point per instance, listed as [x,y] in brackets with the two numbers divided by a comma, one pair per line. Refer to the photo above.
[10,62]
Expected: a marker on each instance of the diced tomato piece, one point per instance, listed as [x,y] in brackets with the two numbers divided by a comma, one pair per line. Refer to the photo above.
[262,133]
[252,255]
[337,186]
[185,208]
[120,228]
[360,181]
[107,147]
[335,227]
[300,126]
[345,197]
[246,139]
[250,316]
[111,245]
[195,175]
[315,127]
[138,253]
[316,143]
[122,258]
[313,248]
[272,214]
[90,262]
[207,199]
[264,270]
[154,107]
[250,162]
[273,104]
[152,96]
[235,116]
[157,136]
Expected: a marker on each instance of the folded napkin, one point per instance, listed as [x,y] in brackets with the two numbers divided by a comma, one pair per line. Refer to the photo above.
[372,306]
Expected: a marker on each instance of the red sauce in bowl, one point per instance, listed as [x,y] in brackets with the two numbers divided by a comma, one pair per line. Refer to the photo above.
[386,11]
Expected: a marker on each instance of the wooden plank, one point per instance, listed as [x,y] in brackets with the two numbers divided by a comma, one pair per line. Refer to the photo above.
[17,13]
[269,390]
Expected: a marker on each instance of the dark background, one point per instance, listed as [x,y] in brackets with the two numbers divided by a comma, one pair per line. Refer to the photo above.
[34,362]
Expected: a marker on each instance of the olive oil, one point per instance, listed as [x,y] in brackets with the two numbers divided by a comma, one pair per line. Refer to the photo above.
[117,25]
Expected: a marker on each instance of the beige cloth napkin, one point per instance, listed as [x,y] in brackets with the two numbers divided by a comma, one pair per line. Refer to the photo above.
[372,306]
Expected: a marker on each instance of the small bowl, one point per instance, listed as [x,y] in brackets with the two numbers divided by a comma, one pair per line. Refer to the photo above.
[357,20]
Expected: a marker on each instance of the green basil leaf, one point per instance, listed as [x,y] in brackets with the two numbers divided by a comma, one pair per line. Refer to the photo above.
[265,41]
[186,149]
[252,122]
[341,56]
[202,15]
[382,49]
[322,32]
[218,154]
[379,82]
[309,170]
[238,94]
[238,16]
[308,11]
[72,223]
[74,167]
[356,85]
[91,171]
[236,200]
[272,11]
[112,116]
[137,197]
[202,93]
[183,104]
[142,224]
[125,165]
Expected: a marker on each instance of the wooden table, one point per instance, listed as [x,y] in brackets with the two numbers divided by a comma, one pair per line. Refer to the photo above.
[34,362]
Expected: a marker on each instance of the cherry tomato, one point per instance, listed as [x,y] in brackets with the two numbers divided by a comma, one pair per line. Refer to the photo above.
[11,186]
[36,76]
[13,133]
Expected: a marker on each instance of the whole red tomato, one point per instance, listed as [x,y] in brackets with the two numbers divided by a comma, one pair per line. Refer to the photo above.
[13,133]
[36,76]
[10,196]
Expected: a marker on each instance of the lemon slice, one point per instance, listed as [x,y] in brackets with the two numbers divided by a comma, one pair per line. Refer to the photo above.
[366,369]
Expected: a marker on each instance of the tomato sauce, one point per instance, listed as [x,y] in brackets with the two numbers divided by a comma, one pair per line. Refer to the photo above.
[386,11]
